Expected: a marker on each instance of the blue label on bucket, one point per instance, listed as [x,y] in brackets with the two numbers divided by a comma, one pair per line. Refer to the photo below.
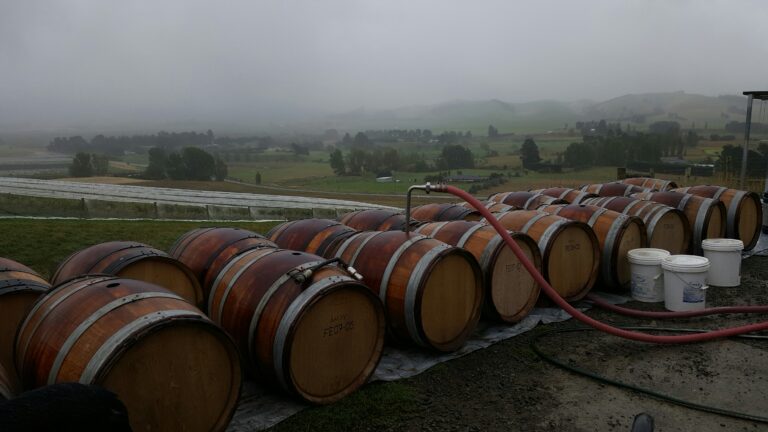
[693,293]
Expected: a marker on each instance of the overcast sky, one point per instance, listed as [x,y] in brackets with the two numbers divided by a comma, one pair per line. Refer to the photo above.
[90,61]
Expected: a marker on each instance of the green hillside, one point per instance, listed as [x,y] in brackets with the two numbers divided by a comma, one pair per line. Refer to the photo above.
[540,116]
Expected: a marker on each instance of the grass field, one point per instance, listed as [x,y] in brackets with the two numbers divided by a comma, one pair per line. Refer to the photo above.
[43,244]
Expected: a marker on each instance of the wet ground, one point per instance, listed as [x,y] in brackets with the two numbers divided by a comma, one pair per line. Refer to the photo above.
[507,387]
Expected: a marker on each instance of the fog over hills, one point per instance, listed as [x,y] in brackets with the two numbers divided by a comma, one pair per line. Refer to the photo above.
[79,66]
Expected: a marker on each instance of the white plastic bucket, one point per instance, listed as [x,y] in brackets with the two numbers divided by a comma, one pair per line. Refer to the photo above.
[725,259]
[647,284]
[685,282]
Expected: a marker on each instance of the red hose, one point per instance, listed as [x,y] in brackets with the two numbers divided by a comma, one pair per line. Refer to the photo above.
[665,315]
[551,293]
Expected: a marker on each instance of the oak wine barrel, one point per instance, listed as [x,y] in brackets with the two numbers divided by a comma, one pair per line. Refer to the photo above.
[134,261]
[525,200]
[500,208]
[444,212]
[205,251]
[744,212]
[613,189]
[706,216]
[16,299]
[375,220]
[432,292]
[10,269]
[653,184]
[168,363]
[570,196]
[617,233]
[666,227]
[492,206]
[570,250]
[318,336]
[510,291]
[316,236]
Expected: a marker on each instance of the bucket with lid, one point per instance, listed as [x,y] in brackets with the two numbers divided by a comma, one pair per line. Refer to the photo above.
[685,282]
[647,284]
[725,260]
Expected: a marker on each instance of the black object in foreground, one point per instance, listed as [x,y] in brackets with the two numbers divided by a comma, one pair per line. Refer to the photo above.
[643,423]
[64,407]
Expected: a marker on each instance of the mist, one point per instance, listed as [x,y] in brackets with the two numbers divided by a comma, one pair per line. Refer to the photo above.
[143,64]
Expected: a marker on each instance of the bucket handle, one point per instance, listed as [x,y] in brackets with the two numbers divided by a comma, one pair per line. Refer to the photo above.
[688,284]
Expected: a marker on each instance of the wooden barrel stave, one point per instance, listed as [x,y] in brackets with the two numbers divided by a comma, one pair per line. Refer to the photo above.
[432,292]
[10,269]
[744,212]
[612,189]
[138,340]
[316,236]
[375,220]
[287,328]
[510,292]
[706,216]
[205,251]
[617,234]
[525,200]
[444,212]
[565,245]
[666,227]
[652,184]
[16,299]
[135,261]
[570,196]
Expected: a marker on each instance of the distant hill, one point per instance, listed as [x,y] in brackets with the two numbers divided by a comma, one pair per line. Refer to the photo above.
[537,116]
[684,108]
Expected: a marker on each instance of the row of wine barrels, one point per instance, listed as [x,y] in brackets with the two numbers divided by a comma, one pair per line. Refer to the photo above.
[205,251]
[744,212]
[316,236]
[666,227]
[16,299]
[653,184]
[510,291]
[432,292]
[706,216]
[171,366]
[444,212]
[375,220]
[7,390]
[525,200]
[570,196]
[305,327]
[612,189]
[570,250]
[134,261]
[617,234]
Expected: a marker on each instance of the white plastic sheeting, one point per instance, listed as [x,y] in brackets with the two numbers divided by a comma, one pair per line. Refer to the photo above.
[64,189]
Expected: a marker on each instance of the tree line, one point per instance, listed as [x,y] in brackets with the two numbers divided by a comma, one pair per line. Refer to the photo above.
[191,163]
[118,145]
[381,161]
[608,145]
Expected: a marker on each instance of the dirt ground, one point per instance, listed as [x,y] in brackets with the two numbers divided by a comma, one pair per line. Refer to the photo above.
[507,387]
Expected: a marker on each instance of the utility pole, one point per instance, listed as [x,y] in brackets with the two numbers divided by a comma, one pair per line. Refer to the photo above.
[751,96]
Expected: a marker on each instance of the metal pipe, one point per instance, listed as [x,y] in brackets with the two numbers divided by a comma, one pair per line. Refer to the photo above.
[747,127]
[428,187]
